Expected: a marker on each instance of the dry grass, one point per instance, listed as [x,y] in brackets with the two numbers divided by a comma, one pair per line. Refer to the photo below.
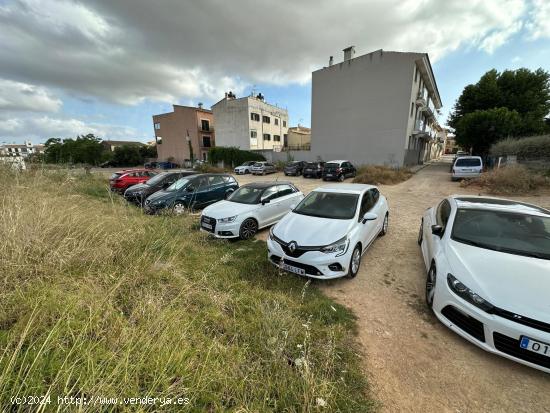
[377,174]
[98,299]
[511,180]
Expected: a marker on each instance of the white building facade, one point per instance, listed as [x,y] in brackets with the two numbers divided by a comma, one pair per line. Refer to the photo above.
[250,123]
[379,108]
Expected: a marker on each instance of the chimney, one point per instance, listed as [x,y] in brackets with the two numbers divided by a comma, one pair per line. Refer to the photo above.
[349,53]
[331,61]
[200,105]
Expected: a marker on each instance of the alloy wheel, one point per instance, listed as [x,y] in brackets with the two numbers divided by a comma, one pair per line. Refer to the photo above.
[355,262]
[430,286]
[341,178]
[248,229]
[179,208]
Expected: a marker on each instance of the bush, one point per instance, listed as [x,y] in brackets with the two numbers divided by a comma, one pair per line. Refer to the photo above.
[232,156]
[512,179]
[377,174]
[102,300]
[205,168]
[533,147]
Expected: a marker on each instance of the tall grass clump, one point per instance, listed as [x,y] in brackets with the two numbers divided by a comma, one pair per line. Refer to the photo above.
[379,174]
[512,180]
[100,300]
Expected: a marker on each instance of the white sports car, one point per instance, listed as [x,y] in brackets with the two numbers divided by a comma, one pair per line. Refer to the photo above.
[488,263]
[250,208]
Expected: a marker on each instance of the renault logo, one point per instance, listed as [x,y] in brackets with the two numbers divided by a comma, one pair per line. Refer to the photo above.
[292,246]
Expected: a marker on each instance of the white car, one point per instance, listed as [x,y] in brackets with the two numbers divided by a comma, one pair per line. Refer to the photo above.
[244,168]
[488,264]
[250,208]
[327,233]
[466,167]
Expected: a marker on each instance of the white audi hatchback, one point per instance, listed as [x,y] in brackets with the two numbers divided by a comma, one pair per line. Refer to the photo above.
[327,233]
[250,208]
[488,264]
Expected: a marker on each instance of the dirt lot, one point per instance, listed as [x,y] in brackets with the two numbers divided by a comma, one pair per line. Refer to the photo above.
[415,363]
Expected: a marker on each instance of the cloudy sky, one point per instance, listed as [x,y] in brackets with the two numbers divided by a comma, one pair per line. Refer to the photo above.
[105,67]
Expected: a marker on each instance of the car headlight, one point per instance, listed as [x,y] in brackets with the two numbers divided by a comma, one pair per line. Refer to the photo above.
[228,219]
[464,292]
[339,247]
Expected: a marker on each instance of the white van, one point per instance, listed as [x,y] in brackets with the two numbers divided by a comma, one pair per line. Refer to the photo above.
[467,167]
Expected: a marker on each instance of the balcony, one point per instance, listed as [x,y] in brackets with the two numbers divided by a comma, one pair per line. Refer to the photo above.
[202,129]
[421,101]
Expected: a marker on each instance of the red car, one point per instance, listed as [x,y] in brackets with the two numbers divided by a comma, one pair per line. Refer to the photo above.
[121,180]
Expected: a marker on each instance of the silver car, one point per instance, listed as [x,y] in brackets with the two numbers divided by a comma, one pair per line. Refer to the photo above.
[263,168]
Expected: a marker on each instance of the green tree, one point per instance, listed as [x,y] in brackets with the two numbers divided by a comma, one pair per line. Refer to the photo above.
[480,129]
[85,149]
[127,155]
[524,93]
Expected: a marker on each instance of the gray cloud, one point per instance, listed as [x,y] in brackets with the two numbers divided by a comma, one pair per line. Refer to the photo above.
[126,51]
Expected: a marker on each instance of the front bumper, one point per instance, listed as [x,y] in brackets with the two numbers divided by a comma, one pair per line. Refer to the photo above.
[491,332]
[222,230]
[314,263]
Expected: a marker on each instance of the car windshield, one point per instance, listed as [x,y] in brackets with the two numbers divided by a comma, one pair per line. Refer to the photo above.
[509,232]
[293,164]
[258,164]
[311,165]
[468,162]
[156,179]
[248,163]
[180,183]
[331,166]
[115,176]
[246,195]
[328,205]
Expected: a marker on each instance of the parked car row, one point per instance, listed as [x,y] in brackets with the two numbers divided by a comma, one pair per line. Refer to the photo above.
[337,170]
[487,259]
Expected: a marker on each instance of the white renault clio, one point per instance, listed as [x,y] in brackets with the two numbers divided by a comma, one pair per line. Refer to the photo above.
[250,208]
[488,263]
[327,233]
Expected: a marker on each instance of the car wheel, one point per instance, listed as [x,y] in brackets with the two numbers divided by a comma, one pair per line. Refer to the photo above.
[385,224]
[341,178]
[430,286]
[179,208]
[248,229]
[420,233]
[355,262]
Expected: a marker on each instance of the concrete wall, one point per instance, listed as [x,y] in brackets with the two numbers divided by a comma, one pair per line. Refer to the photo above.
[361,109]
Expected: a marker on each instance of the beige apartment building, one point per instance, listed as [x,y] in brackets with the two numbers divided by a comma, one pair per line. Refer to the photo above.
[379,108]
[185,128]
[299,138]
[250,123]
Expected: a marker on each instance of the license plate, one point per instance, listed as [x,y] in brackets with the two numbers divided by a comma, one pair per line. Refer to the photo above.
[329,174]
[206,226]
[535,346]
[293,269]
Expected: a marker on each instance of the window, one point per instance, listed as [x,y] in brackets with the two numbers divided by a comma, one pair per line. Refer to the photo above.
[366,204]
[159,140]
[416,74]
[206,142]
[375,195]
[442,213]
[205,124]
[157,126]
[254,116]
[412,109]
[266,119]
[285,190]
[204,156]
[276,121]
[215,180]
[284,123]
[267,137]
[253,134]
[269,194]
[276,138]
[229,179]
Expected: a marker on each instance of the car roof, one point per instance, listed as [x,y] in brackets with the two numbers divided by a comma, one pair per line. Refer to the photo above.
[337,161]
[266,184]
[498,204]
[345,188]
[125,171]
[468,157]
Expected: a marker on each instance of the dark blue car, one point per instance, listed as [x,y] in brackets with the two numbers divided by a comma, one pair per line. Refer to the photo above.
[191,193]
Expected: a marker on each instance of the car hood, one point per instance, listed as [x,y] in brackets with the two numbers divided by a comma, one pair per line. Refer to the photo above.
[138,188]
[512,282]
[225,209]
[311,231]
[162,195]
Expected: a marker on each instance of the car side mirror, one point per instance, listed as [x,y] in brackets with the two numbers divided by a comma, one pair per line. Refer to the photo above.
[190,188]
[438,230]
[166,185]
[265,201]
[369,216]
